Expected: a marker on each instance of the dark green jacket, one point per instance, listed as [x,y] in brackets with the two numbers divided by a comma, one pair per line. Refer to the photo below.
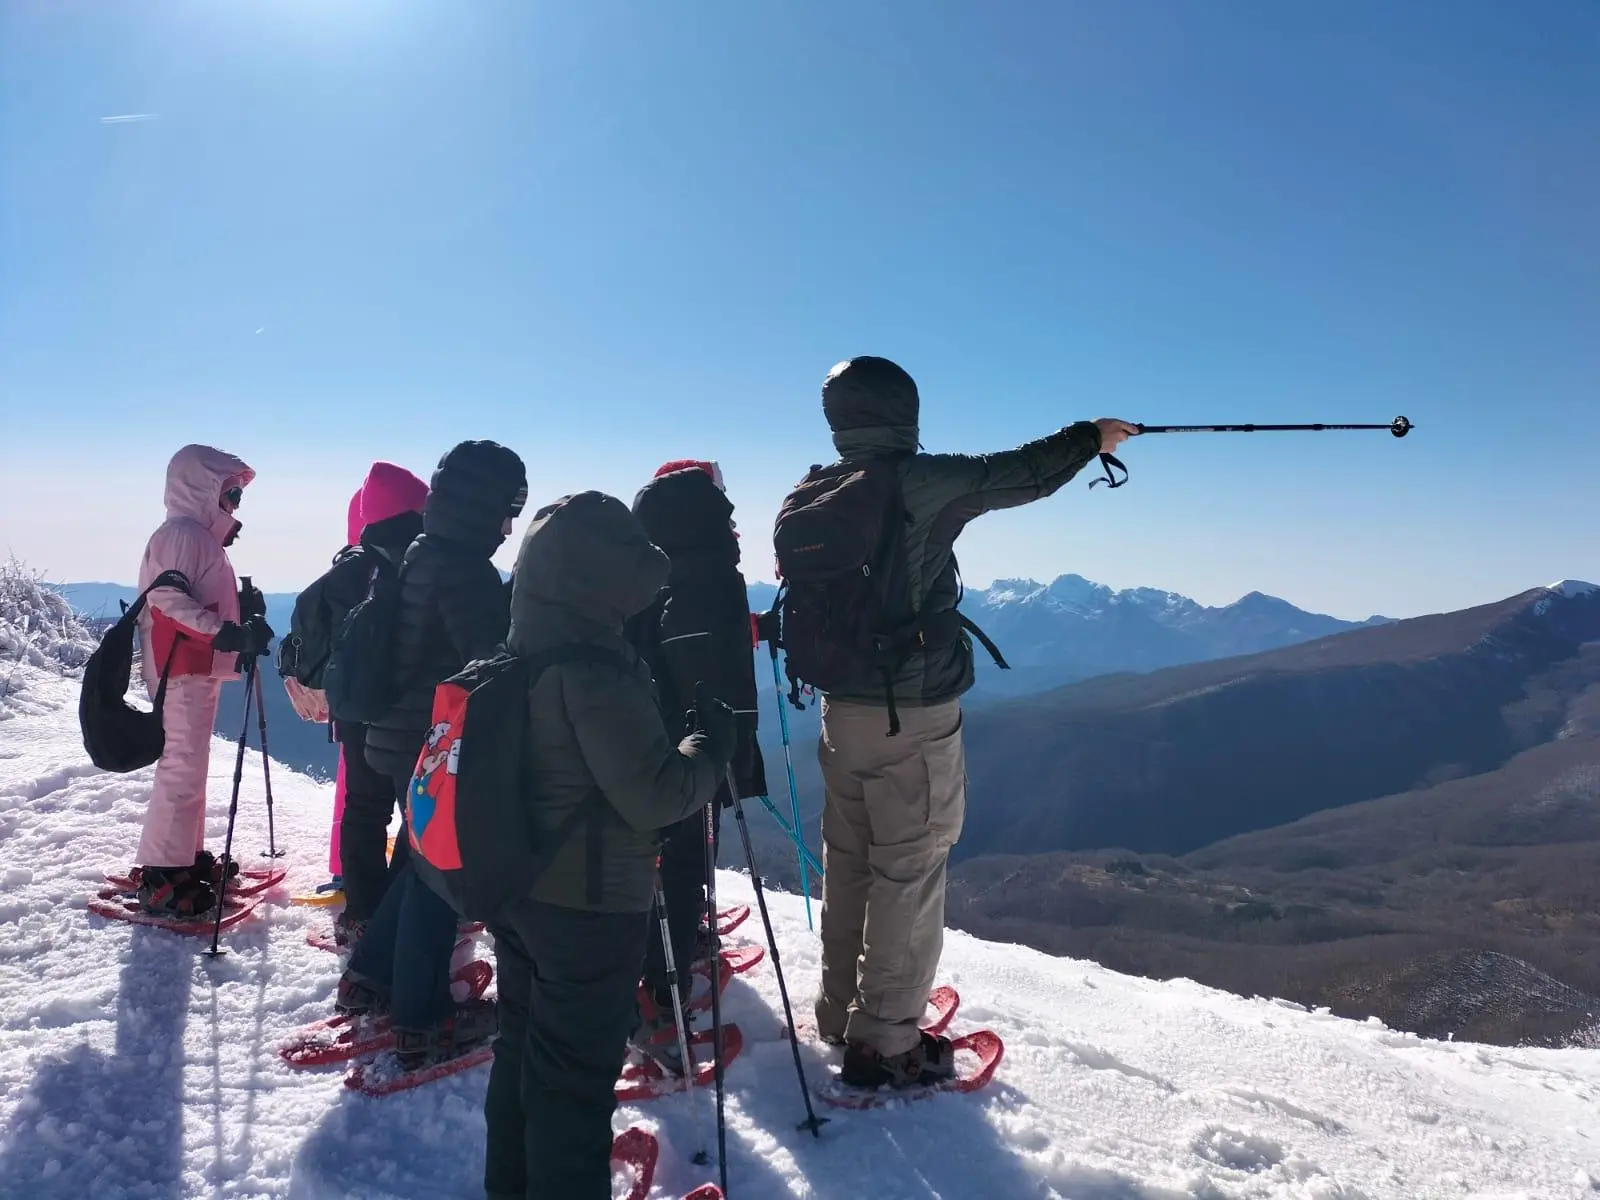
[584,568]
[942,493]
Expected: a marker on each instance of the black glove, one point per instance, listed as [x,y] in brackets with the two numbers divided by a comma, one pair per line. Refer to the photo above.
[252,602]
[250,639]
[715,721]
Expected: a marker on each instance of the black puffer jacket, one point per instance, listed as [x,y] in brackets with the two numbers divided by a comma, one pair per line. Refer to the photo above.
[454,607]
[698,629]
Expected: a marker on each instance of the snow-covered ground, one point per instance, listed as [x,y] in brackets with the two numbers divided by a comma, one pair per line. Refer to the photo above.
[132,1066]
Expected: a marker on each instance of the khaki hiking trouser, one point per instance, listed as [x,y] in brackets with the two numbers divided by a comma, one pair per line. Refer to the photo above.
[894,809]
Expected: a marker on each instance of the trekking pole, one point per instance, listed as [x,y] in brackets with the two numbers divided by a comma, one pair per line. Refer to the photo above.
[1400,426]
[716,991]
[233,811]
[783,824]
[687,1066]
[794,792]
[812,1122]
[266,771]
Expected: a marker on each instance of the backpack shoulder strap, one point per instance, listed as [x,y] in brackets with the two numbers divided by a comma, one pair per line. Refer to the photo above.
[167,579]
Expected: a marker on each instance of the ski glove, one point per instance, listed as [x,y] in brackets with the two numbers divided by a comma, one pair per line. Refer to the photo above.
[716,721]
[250,639]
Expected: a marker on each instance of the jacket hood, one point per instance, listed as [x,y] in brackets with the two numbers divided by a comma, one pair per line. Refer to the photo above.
[586,564]
[352,520]
[389,491]
[872,406]
[196,478]
[686,511]
[472,492]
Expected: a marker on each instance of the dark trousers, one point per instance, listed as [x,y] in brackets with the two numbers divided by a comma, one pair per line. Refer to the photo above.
[369,800]
[567,981]
[683,882]
[407,949]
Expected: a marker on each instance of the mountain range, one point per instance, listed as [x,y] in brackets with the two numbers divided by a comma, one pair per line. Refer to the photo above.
[1372,821]
[1052,634]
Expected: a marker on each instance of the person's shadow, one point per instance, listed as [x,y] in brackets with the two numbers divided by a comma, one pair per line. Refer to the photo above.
[112,1126]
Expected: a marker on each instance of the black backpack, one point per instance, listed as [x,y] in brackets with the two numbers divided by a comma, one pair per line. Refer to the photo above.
[845,596]
[467,811]
[117,736]
[358,677]
[319,611]
[845,600]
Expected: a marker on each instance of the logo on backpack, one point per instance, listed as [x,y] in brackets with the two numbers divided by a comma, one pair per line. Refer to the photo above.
[432,799]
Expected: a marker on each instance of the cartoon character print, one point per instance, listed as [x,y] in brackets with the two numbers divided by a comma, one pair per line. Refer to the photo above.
[432,787]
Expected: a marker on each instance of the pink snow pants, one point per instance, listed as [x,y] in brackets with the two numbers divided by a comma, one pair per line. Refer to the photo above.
[175,822]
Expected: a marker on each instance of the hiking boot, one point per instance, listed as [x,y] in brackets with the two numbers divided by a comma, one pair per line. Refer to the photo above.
[656,1036]
[472,1024]
[174,892]
[347,931]
[206,867]
[359,996]
[932,1060]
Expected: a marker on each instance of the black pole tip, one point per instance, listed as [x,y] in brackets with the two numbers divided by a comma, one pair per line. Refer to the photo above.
[1400,427]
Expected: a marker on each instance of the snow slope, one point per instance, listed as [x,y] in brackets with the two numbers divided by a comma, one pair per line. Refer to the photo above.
[131,1066]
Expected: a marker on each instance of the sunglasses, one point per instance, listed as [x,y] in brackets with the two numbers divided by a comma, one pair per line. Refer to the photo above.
[518,502]
[232,498]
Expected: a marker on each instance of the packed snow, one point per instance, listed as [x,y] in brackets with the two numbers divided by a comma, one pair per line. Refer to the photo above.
[133,1066]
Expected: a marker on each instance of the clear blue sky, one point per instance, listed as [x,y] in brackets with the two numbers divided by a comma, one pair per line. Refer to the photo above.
[610,234]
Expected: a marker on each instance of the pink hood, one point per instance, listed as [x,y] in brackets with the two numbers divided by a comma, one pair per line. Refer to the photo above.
[389,491]
[196,478]
[352,520]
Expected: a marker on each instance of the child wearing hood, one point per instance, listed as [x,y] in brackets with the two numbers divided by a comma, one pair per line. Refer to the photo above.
[195,639]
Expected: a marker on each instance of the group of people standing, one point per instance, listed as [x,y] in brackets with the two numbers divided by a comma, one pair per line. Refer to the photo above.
[645,733]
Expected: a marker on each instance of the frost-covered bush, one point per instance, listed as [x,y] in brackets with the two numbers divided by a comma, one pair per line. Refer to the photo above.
[37,626]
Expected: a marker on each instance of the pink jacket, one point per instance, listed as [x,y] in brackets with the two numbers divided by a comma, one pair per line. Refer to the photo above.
[191,540]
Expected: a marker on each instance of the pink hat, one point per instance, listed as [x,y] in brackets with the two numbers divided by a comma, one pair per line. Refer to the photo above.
[389,491]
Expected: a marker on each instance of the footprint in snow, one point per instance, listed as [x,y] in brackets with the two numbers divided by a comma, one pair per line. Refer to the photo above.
[1236,1150]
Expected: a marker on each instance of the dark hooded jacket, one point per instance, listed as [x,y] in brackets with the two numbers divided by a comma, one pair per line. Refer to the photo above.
[698,629]
[453,603]
[872,406]
[585,567]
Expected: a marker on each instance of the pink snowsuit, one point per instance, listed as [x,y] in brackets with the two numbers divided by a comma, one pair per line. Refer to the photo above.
[175,631]
[353,526]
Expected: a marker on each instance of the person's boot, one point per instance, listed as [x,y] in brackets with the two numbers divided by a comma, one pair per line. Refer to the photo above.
[347,931]
[471,1025]
[207,868]
[177,893]
[359,996]
[932,1060]
[656,1036]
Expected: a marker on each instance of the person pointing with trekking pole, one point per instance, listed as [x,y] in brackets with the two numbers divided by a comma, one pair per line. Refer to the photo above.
[871,537]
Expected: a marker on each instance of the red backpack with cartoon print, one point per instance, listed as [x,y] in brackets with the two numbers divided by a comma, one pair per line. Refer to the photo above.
[467,809]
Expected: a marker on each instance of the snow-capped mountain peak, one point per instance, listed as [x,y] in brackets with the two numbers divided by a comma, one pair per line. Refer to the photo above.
[1571,588]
